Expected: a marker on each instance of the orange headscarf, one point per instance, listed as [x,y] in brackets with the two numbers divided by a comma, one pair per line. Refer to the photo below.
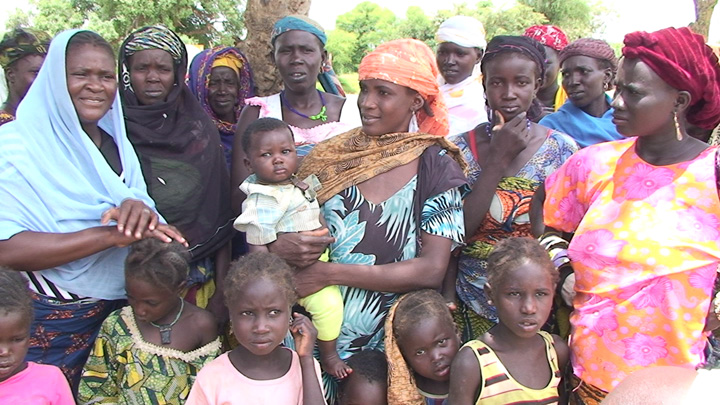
[410,63]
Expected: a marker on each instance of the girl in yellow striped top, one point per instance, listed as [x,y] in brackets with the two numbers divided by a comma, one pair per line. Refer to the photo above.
[514,362]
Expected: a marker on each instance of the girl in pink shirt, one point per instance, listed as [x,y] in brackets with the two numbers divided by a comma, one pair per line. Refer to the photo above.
[23,382]
[259,294]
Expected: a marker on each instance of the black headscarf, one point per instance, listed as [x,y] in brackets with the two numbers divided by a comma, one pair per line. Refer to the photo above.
[179,149]
[534,50]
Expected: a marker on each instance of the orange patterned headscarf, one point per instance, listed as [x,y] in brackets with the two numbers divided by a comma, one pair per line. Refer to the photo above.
[410,63]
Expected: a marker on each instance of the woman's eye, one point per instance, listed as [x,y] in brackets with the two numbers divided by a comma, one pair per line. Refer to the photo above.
[246,313]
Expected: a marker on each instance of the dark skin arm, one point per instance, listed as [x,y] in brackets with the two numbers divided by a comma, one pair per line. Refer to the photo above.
[30,251]
[465,378]
[448,286]
[305,335]
[563,354]
[239,171]
[216,304]
[425,271]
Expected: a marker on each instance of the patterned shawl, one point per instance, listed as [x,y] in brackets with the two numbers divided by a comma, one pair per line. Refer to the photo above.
[353,157]
[179,150]
[401,382]
[199,76]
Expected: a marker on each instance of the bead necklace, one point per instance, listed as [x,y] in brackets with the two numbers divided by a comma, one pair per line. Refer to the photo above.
[322,115]
[166,329]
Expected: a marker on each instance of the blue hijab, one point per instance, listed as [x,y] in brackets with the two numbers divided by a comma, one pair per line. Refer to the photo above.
[54,179]
[585,129]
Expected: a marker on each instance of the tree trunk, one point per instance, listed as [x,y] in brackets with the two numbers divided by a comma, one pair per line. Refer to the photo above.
[260,16]
[703,14]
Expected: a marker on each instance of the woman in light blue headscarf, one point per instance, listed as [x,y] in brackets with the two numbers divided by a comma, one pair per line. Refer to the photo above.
[67,170]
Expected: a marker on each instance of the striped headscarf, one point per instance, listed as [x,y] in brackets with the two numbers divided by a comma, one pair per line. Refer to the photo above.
[410,63]
[20,43]
[155,37]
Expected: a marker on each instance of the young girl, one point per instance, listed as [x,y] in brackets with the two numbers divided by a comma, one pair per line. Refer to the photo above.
[259,293]
[514,361]
[150,351]
[421,342]
[24,382]
[279,202]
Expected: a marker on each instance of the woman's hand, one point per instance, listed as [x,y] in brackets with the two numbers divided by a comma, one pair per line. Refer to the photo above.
[136,221]
[509,138]
[304,334]
[311,279]
[133,218]
[301,249]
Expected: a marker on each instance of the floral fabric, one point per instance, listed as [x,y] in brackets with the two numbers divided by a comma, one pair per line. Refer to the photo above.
[508,216]
[123,368]
[645,254]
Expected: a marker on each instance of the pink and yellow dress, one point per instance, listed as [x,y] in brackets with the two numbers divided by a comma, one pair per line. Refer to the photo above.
[645,254]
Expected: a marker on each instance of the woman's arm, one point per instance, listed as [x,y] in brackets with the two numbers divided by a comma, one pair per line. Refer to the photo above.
[30,250]
[216,303]
[425,271]
[448,287]
[238,171]
[465,378]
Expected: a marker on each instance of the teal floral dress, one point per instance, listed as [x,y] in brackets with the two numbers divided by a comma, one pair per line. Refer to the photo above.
[368,233]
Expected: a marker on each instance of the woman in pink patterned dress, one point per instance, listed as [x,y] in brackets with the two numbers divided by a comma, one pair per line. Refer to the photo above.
[645,215]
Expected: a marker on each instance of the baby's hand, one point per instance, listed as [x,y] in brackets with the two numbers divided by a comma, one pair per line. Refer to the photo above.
[304,334]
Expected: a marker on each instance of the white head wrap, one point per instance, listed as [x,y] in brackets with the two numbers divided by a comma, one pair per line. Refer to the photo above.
[462,30]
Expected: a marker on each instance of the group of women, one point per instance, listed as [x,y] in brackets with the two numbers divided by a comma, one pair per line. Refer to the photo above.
[88,168]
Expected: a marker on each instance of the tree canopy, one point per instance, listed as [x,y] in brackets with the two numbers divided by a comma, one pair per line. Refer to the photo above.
[202,21]
[368,24]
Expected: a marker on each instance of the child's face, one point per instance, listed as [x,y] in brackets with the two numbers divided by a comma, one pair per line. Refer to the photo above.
[272,156]
[358,390]
[14,343]
[151,303]
[260,317]
[430,348]
[524,299]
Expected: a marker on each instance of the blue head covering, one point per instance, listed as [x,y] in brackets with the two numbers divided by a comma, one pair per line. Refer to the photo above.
[54,179]
[297,22]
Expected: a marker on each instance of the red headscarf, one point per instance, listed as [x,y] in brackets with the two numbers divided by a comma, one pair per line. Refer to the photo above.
[682,59]
[410,63]
[548,35]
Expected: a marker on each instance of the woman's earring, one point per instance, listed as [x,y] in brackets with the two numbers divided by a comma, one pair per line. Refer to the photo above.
[678,132]
[414,126]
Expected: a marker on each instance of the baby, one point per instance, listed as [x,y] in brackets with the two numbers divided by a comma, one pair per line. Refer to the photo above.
[277,201]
